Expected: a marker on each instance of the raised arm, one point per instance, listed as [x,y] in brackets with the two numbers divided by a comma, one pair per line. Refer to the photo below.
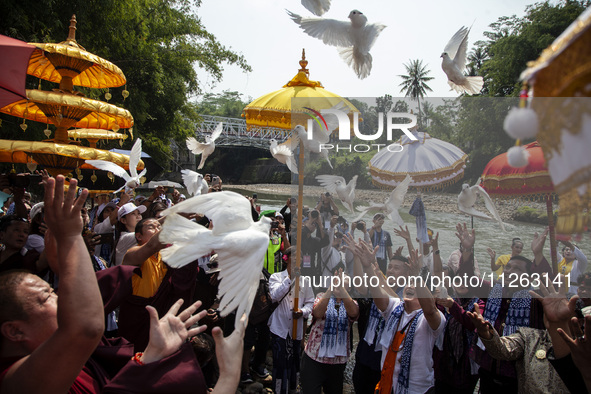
[405,234]
[426,299]
[493,261]
[138,254]
[56,359]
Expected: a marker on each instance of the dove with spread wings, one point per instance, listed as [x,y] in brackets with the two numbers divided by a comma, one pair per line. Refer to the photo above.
[391,205]
[353,39]
[132,180]
[284,152]
[194,182]
[336,184]
[467,199]
[239,242]
[454,62]
[206,148]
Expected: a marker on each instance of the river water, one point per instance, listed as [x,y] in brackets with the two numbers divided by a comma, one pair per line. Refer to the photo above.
[488,233]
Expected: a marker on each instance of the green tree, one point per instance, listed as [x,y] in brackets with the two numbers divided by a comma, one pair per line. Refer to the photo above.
[512,42]
[228,104]
[157,43]
[414,85]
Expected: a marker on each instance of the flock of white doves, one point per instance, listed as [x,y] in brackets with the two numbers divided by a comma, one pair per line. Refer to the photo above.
[240,242]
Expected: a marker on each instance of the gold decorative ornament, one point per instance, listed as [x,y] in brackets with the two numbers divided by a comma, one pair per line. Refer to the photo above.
[108,96]
[93,177]
[541,354]
[111,176]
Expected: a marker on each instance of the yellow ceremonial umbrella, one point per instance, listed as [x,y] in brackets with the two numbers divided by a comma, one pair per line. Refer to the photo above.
[68,63]
[67,110]
[275,109]
[58,158]
[561,82]
[93,135]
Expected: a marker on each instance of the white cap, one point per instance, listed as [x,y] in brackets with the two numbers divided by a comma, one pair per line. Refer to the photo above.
[129,208]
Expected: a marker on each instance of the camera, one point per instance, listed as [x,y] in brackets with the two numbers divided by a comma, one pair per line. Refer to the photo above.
[314,214]
[274,224]
[360,226]
[327,194]
[255,196]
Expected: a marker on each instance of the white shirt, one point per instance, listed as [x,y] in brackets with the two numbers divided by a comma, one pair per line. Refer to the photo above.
[101,228]
[281,323]
[421,376]
[579,267]
[126,242]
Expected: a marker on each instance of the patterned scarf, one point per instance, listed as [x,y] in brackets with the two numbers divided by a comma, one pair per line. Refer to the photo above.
[455,330]
[334,335]
[375,325]
[519,309]
[405,358]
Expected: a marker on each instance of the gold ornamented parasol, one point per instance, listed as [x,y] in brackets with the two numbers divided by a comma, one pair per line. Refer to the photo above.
[275,109]
[58,158]
[67,110]
[68,63]
[561,82]
[94,135]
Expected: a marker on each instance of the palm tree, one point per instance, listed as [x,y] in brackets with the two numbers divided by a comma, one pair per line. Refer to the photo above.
[414,85]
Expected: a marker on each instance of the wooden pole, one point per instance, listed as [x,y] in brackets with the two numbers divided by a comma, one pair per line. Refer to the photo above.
[296,273]
[552,233]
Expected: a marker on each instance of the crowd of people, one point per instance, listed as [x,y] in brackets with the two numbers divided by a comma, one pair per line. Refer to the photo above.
[124,321]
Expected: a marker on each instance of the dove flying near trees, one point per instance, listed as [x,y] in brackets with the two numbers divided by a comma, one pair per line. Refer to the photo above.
[317,7]
[353,39]
[132,180]
[284,152]
[467,199]
[391,205]
[454,62]
[205,149]
[239,242]
[194,182]
[336,184]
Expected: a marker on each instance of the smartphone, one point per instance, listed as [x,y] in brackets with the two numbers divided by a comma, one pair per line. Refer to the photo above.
[106,238]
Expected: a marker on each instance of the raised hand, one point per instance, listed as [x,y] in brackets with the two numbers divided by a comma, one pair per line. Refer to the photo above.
[403,233]
[466,237]
[556,307]
[483,327]
[579,345]
[171,331]
[537,244]
[491,253]
[62,214]
[445,302]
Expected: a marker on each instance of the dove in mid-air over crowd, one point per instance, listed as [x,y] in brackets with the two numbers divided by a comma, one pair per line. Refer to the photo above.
[454,62]
[354,39]
[239,242]
[205,149]
[336,184]
[468,197]
[317,7]
[132,180]
[194,182]
[284,152]
[391,205]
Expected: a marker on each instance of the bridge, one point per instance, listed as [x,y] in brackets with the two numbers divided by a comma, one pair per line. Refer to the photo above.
[235,133]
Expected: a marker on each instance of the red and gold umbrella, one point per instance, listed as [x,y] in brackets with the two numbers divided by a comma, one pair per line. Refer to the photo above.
[531,182]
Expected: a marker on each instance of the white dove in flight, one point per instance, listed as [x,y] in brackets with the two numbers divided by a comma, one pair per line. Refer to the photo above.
[314,145]
[284,152]
[194,182]
[354,39]
[317,7]
[468,197]
[336,184]
[132,180]
[239,242]
[205,149]
[391,205]
[454,62]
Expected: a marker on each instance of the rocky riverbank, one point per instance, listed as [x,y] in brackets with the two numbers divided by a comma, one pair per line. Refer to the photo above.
[433,201]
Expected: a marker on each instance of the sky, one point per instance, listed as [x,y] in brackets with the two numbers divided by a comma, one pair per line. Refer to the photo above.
[272,43]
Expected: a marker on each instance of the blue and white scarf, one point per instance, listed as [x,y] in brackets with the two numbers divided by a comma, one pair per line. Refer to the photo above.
[334,335]
[518,313]
[375,326]
[405,357]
